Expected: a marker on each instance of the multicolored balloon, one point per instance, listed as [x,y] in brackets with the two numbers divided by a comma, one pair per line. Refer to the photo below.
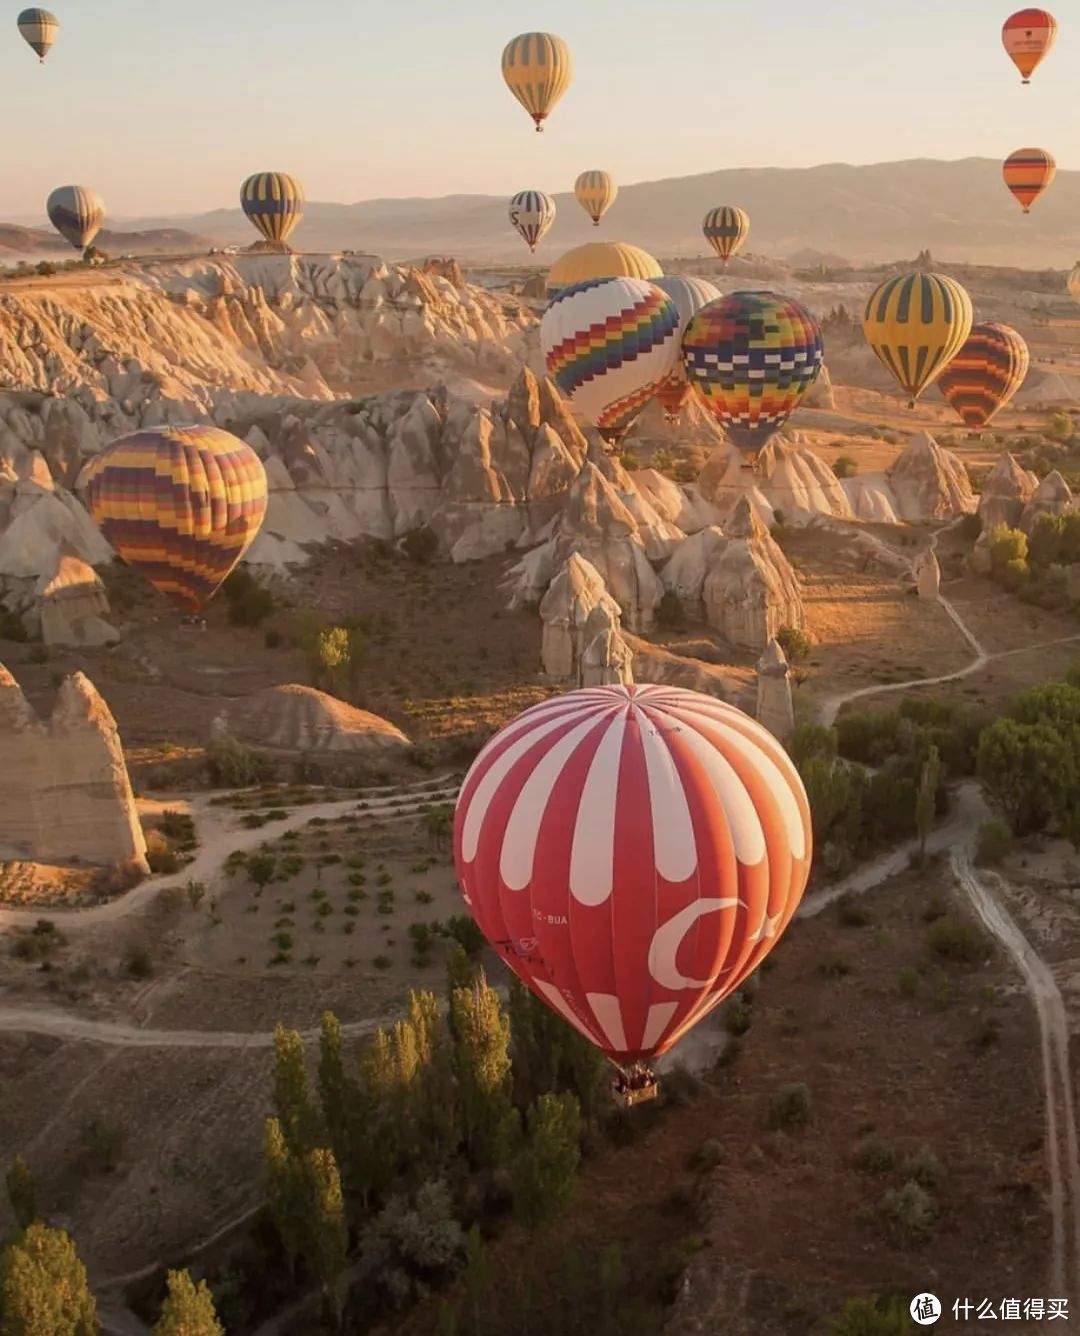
[181,505]
[595,192]
[916,323]
[689,296]
[750,357]
[532,213]
[39,28]
[632,854]
[1027,37]
[986,373]
[77,213]
[537,67]
[600,259]
[608,344]
[1028,172]
[725,230]
[273,202]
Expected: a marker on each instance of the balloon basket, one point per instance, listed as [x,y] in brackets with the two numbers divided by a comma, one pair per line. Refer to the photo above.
[627,1099]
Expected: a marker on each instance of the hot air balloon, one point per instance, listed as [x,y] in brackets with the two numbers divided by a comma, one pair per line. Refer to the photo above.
[750,357]
[273,202]
[532,213]
[1028,36]
[595,192]
[537,68]
[916,324]
[632,853]
[726,229]
[985,374]
[689,296]
[1027,173]
[179,504]
[608,344]
[1073,282]
[39,29]
[77,213]
[600,259]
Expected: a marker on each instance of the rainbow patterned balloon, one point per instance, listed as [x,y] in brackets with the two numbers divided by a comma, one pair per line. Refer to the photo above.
[689,296]
[750,357]
[986,373]
[633,853]
[608,344]
[181,505]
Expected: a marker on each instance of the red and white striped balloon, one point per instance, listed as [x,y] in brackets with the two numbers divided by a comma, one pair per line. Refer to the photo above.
[632,854]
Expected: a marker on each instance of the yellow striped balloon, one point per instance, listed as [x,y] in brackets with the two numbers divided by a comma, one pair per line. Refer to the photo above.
[537,67]
[595,192]
[1073,282]
[916,324]
[1028,172]
[726,229]
[273,202]
[39,28]
[181,505]
[600,259]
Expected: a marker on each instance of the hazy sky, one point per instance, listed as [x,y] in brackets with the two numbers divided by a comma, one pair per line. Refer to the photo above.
[166,105]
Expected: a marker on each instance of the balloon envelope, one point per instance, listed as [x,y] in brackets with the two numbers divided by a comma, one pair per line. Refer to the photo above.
[273,202]
[726,229]
[595,192]
[632,854]
[180,504]
[532,213]
[750,357]
[39,28]
[537,68]
[77,213]
[986,373]
[1028,36]
[916,324]
[600,259]
[608,344]
[1028,172]
[689,296]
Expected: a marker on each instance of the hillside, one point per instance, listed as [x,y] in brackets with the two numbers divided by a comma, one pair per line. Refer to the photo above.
[23,242]
[957,209]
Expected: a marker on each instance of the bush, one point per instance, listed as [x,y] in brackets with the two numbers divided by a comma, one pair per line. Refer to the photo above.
[409,1247]
[233,764]
[908,981]
[872,1157]
[669,612]
[464,930]
[923,1168]
[249,603]
[871,1317]
[959,942]
[138,963]
[796,644]
[994,842]
[791,1107]
[852,913]
[102,1144]
[160,854]
[911,1212]
[845,467]
[420,545]
[272,639]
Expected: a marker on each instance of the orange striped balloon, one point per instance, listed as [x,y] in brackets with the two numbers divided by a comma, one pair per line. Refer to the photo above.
[1027,173]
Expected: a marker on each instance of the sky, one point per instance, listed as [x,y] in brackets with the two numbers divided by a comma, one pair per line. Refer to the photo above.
[165,106]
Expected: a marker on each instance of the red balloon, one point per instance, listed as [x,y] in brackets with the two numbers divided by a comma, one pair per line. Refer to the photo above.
[632,854]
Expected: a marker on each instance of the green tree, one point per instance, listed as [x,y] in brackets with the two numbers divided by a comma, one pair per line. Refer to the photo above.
[284,1190]
[43,1287]
[292,1098]
[1045,542]
[482,1066]
[1031,772]
[546,1168]
[436,1111]
[812,740]
[326,1232]
[438,822]
[330,655]
[188,1310]
[337,1093]
[261,869]
[1060,427]
[926,799]
[477,1279]
[21,1193]
[795,643]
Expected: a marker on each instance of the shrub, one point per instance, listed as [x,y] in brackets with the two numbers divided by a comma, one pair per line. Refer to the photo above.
[845,467]
[738,1019]
[464,930]
[160,855]
[102,1143]
[871,1317]
[411,1245]
[248,601]
[924,1168]
[908,981]
[994,842]
[795,643]
[873,1157]
[138,963]
[233,764]
[852,913]
[272,639]
[791,1107]
[959,942]
[709,1154]
[382,962]
[420,545]
[911,1212]
[669,612]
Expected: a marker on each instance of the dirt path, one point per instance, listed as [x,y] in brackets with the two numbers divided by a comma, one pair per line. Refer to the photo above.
[66,1025]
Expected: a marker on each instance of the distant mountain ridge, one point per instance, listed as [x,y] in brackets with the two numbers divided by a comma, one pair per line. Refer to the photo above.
[22,242]
[959,210]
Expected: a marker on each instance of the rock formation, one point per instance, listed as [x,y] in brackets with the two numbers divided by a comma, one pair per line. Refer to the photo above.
[64,787]
[1005,494]
[581,627]
[72,605]
[1053,496]
[927,574]
[297,719]
[738,579]
[928,482]
[774,705]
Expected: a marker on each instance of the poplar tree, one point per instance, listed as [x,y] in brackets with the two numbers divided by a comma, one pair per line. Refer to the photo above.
[43,1287]
[21,1193]
[188,1310]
